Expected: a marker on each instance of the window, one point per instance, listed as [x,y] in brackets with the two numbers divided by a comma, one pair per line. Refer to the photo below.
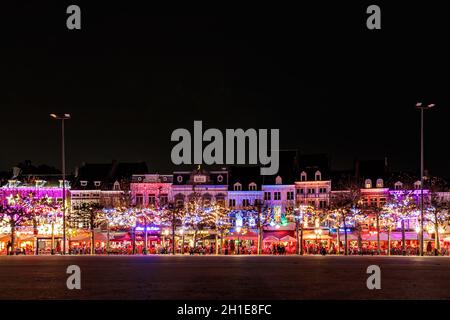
[245,202]
[219,178]
[151,199]
[303,176]
[311,191]
[139,199]
[382,201]
[179,203]
[277,195]
[83,183]
[379,183]
[322,204]
[97,183]
[163,199]
[290,195]
[252,186]
[278,180]
[318,175]
[322,190]
[398,185]
[232,202]
[179,179]
[116,186]
[417,185]
[368,183]
[267,195]
[237,187]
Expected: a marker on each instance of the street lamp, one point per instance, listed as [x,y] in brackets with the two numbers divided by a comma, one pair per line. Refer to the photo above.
[62,118]
[419,105]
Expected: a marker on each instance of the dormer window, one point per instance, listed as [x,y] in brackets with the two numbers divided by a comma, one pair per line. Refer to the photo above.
[83,183]
[219,178]
[278,180]
[398,185]
[303,176]
[252,186]
[180,179]
[379,183]
[237,186]
[368,184]
[417,185]
[116,186]
[318,175]
[97,183]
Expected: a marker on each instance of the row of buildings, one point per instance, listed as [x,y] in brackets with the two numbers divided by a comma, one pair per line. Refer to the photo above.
[301,180]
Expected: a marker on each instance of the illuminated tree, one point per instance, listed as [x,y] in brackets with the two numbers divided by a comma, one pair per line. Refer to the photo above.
[402,206]
[343,209]
[88,216]
[18,211]
[388,222]
[301,215]
[173,217]
[437,216]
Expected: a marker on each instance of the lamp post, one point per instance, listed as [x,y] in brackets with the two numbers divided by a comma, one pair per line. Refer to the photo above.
[422,107]
[62,118]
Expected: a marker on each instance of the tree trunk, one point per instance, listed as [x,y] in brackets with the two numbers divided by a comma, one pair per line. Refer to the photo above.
[217,244]
[389,241]
[107,239]
[338,238]
[437,244]
[345,239]
[133,233]
[92,241]
[378,235]
[195,238]
[301,241]
[403,238]
[13,237]
[221,241]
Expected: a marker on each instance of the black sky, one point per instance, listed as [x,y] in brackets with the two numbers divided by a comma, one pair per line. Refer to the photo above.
[134,74]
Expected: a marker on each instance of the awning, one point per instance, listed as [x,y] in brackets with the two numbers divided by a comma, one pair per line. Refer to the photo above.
[288,239]
[271,239]
[5,238]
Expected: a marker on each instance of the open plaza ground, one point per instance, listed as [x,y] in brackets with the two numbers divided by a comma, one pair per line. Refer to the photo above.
[220,277]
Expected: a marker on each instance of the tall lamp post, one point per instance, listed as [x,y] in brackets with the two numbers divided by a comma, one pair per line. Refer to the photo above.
[422,107]
[62,118]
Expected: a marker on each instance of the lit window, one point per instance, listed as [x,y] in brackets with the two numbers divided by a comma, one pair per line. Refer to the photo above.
[278,180]
[379,183]
[303,176]
[368,183]
[318,175]
[237,187]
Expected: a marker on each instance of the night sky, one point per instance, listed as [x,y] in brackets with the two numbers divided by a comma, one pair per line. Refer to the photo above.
[134,74]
